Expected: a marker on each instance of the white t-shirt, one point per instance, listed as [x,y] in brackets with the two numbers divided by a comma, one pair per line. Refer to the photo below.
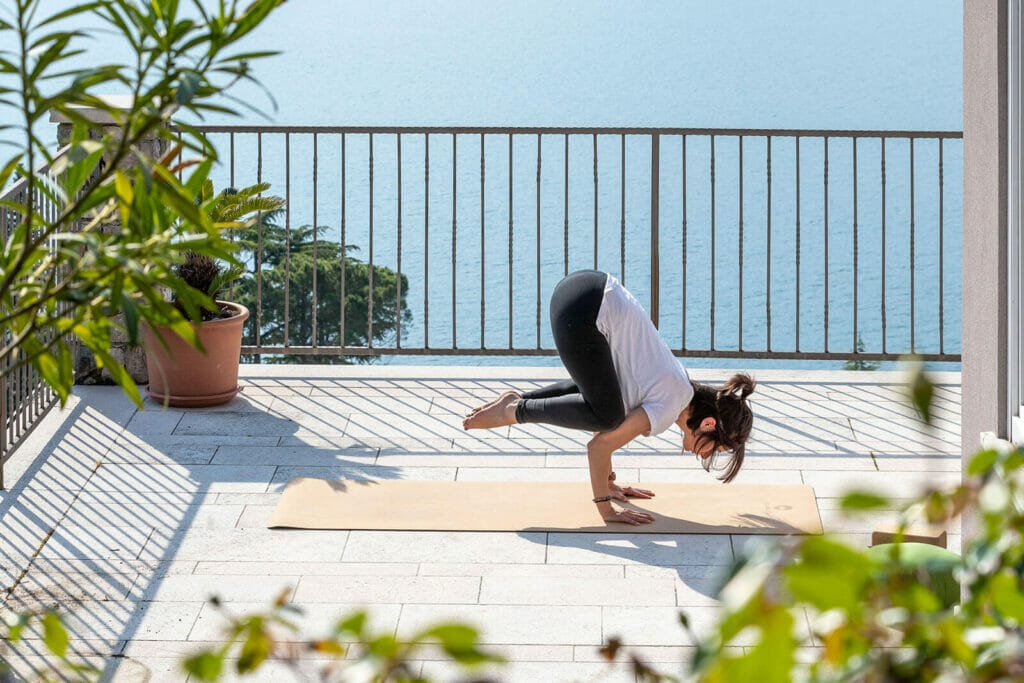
[649,375]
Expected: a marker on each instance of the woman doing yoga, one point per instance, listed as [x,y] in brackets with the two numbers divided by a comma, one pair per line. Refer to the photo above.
[625,383]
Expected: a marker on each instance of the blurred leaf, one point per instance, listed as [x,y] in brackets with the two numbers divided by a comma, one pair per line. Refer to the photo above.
[255,650]
[922,391]
[829,575]
[610,649]
[982,462]
[1007,597]
[354,624]
[55,635]
[859,500]
[206,666]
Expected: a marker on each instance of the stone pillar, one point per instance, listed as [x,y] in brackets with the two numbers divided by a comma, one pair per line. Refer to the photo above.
[984,403]
[132,357]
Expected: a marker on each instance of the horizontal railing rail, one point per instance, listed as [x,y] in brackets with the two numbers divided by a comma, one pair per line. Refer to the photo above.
[741,243]
[24,397]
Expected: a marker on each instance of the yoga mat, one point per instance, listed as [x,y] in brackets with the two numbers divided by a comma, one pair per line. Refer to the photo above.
[396,504]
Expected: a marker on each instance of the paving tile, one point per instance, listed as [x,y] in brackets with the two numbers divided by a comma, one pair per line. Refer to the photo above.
[910,463]
[316,621]
[655,625]
[652,549]
[361,472]
[325,402]
[246,545]
[294,455]
[534,590]
[199,588]
[494,570]
[513,624]
[696,475]
[801,461]
[670,657]
[695,586]
[145,568]
[389,589]
[836,484]
[154,420]
[248,401]
[170,516]
[388,445]
[145,669]
[86,542]
[268,498]
[531,474]
[825,429]
[515,671]
[422,427]
[238,424]
[447,546]
[42,588]
[506,460]
[192,479]
[110,622]
[298,567]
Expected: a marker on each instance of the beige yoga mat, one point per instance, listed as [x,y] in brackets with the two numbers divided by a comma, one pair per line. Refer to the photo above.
[394,505]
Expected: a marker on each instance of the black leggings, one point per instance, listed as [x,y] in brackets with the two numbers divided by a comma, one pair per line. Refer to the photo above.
[592,400]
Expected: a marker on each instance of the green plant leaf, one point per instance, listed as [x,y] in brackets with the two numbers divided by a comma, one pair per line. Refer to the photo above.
[1007,597]
[255,650]
[860,500]
[982,462]
[55,635]
[354,624]
[922,391]
[206,666]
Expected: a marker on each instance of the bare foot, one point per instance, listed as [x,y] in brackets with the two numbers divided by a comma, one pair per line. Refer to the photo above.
[503,396]
[498,413]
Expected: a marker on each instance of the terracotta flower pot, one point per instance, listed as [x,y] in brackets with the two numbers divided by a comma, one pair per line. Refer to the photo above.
[182,375]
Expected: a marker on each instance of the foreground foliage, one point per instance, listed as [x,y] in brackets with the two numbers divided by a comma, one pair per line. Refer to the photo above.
[95,231]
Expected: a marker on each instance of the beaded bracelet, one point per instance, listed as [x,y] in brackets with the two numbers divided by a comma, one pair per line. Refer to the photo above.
[602,499]
[611,477]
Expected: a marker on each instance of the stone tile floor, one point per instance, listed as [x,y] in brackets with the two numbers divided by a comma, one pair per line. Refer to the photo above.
[130,520]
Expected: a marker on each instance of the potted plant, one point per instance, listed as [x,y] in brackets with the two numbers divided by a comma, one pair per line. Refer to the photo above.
[206,373]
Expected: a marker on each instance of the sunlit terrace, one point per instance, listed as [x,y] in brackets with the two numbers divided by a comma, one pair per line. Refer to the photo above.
[787,253]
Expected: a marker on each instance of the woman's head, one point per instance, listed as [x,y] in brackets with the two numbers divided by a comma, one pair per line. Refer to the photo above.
[718,422]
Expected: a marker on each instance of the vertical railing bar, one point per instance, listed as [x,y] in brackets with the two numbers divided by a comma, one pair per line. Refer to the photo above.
[538,238]
[483,249]
[510,241]
[883,249]
[942,326]
[768,262]
[232,178]
[287,233]
[259,244]
[3,401]
[913,321]
[740,246]
[797,246]
[856,250]
[398,280]
[344,250]
[369,268]
[825,172]
[622,209]
[712,346]
[595,202]
[565,210]
[655,228]
[455,234]
[426,241]
[684,226]
[314,341]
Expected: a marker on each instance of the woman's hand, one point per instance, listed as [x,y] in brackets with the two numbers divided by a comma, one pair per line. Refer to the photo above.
[623,493]
[628,516]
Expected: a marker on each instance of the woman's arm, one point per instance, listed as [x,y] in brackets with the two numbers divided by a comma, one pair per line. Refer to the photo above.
[599,455]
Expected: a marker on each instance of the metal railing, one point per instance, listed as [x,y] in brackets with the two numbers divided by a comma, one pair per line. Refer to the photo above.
[24,397]
[752,243]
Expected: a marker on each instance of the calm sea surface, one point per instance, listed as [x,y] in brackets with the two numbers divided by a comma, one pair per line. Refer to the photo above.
[722,64]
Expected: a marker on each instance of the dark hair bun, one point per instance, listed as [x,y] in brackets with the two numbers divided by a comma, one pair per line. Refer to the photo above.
[739,386]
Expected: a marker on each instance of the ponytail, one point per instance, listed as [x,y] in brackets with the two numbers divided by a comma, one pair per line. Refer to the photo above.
[734,420]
